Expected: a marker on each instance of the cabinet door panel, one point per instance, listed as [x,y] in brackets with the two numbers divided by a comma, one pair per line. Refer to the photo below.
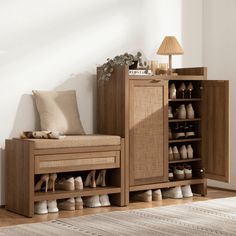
[148,132]
[215,129]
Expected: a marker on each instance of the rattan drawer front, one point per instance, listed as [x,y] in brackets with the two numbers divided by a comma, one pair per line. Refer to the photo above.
[76,161]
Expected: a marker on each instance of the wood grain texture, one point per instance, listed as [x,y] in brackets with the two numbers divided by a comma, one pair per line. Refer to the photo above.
[148,126]
[22,164]
[19,177]
[215,129]
[76,161]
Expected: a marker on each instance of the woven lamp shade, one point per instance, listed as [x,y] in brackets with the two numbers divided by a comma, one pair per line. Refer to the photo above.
[170,46]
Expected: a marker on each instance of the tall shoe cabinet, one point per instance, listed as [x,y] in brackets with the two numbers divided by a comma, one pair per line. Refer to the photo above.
[136,108]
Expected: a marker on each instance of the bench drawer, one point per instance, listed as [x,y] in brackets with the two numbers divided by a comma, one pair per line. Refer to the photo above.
[76,161]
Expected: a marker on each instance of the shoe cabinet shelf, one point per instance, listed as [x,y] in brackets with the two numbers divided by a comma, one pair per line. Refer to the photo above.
[136,108]
[40,196]
[26,162]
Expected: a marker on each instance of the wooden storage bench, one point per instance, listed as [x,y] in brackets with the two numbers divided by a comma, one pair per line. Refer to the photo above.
[26,158]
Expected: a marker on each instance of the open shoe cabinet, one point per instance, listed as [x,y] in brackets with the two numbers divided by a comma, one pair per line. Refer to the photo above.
[136,108]
[25,163]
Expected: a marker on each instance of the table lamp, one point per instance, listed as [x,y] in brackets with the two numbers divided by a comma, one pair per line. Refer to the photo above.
[170,46]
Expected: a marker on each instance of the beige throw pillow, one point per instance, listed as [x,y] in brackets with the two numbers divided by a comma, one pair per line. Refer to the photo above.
[58,111]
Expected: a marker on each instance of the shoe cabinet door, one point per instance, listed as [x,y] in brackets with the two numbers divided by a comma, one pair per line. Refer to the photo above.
[148,131]
[215,129]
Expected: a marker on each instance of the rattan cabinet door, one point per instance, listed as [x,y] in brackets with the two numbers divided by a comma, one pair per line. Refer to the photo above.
[148,131]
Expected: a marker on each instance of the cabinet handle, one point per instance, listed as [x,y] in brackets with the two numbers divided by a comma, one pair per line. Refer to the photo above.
[155,81]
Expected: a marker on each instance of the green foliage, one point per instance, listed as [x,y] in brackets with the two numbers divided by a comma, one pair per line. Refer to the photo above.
[124,59]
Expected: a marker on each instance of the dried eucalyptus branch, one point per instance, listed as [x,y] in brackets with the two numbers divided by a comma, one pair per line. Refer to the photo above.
[124,59]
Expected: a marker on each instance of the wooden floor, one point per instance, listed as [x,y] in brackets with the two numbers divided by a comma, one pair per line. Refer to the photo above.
[7,218]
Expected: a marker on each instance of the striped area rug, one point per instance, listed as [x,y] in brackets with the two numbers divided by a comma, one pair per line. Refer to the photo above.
[213,217]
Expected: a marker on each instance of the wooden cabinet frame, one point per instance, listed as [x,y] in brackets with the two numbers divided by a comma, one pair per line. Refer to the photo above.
[113,114]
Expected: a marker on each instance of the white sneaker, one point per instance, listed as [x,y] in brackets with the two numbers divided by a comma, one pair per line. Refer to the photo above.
[92,201]
[156,195]
[40,207]
[190,151]
[78,203]
[52,206]
[186,191]
[67,204]
[172,192]
[183,152]
[145,196]
[78,183]
[104,200]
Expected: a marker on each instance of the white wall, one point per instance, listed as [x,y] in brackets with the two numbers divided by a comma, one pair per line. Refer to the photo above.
[219,55]
[57,44]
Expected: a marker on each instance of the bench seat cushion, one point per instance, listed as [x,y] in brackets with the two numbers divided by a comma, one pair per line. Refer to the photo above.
[78,141]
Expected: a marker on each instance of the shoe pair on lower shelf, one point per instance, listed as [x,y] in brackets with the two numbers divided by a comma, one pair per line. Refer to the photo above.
[148,196]
[97,201]
[178,192]
[70,204]
[45,207]
[70,184]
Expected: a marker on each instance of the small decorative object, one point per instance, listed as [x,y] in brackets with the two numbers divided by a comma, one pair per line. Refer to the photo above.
[181,113]
[183,152]
[124,59]
[170,46]
[181,90]
[172,91]
[190,111]
[190,151]
[154,67]
[140,72]
[163,69]
[189,90]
